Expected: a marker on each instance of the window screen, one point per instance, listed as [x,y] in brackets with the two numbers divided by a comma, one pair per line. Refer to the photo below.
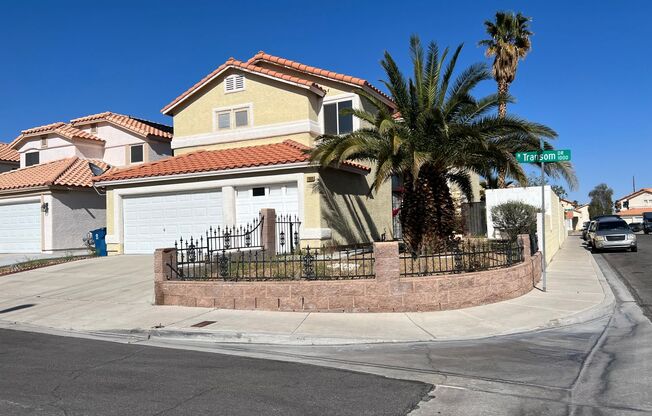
[31,158]
[137,153]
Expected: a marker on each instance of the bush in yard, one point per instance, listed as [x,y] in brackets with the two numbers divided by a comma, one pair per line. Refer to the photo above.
[513,218]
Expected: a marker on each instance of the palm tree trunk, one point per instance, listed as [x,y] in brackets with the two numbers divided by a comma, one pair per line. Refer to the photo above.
[503,88]
[427,210]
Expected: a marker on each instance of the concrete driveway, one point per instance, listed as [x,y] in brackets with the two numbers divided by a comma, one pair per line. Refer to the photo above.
[7,259]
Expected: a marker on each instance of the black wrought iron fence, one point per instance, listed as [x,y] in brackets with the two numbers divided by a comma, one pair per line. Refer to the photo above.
[288,233]
[200,263]
[240,236]
[462,257]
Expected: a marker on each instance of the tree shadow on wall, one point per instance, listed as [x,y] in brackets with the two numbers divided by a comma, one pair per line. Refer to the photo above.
[344,201]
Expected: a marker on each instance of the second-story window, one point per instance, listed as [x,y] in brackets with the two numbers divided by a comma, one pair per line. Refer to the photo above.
[334,121]
[136,153]
[94,128]
[31,158]
[44,142]
[232,118]
[234,83]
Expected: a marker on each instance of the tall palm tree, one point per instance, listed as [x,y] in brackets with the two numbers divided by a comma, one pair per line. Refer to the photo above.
[509,43]
[438,134]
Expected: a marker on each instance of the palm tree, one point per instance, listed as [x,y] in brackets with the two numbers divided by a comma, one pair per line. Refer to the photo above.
[437,134]
[509,42]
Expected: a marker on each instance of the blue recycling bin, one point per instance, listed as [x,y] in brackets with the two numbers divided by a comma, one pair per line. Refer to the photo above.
[99,237]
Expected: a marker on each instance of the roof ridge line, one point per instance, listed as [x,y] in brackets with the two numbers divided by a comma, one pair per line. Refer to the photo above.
[71,162]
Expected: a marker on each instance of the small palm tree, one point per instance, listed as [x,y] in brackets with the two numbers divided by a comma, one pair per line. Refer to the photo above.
[509,43]
[438,134]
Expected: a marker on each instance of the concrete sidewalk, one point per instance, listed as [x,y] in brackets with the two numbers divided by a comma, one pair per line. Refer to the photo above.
[113,297]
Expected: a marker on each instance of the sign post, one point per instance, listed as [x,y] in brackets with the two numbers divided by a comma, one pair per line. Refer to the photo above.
[541,157]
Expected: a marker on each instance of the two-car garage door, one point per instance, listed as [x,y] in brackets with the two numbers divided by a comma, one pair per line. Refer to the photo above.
[156,221]
[20,228]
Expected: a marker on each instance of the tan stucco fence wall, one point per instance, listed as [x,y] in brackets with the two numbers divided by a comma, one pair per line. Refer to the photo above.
[387,292]
[555,229]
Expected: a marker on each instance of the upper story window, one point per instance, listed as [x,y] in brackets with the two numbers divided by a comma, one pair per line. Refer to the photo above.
[31,158]
[234,83]
[334,121]
[136,153]
[232,118]
[44,142]
[94,128]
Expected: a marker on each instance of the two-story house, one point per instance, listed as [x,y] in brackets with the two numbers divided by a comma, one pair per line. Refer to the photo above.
[242,137]
[631,207]
[9,158]
[49,204]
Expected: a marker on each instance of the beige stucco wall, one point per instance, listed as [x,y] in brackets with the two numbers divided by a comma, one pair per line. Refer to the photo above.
[304,138]
[641,201]
[273,102]
[347,208]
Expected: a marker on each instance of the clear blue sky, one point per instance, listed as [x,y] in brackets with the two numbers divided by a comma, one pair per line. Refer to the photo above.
[587,76]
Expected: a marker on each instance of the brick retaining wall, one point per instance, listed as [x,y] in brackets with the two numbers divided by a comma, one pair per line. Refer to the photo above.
[388,292]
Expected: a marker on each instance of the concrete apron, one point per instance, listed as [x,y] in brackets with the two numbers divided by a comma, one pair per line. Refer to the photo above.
[111,298]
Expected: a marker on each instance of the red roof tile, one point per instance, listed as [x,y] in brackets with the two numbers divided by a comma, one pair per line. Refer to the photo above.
[62,129]
[133,124]
[234,63]
[634,211]
[297,66]
[72,171]
[217,160]
[7,154]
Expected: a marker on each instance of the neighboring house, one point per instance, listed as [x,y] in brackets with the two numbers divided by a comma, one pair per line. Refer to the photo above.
[631,207]
[241,139]
[49,204]
[583,214]
[9,158]
[572,217]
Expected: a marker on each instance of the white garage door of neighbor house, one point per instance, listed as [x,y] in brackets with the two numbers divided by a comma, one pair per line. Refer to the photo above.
[20,228]
[156,221]
[284,198]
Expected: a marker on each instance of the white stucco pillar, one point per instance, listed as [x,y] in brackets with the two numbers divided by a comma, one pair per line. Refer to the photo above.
[228,205]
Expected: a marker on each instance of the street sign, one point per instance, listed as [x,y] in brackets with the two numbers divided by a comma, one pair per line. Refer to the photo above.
[547,156]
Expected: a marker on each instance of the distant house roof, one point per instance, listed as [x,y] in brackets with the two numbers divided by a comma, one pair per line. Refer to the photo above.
[234,63]
[276,154]
[633,212]
[7,154]
[65,130]
[72,172]
[136,125]
[633,194]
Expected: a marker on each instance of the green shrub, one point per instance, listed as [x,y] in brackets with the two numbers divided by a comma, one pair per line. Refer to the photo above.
[513,218]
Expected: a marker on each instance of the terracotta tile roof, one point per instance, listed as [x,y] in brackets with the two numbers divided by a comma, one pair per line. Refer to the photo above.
[66,130]
[72,171]
[217,160]
[133,124]
[633,212]
[633,194]
[297,66]
[234,63]
[7,154]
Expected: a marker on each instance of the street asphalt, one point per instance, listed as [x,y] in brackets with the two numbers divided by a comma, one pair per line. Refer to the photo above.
[636,270]
[51,375]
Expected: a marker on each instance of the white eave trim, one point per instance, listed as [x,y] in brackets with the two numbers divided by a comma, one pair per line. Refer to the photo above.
[311,88]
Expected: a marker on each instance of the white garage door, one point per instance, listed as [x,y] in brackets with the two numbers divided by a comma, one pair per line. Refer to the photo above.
[20,228]
[284,198]
[156,221]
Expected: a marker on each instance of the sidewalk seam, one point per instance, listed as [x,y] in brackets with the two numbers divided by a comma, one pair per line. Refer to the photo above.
[301,323]
[419,326]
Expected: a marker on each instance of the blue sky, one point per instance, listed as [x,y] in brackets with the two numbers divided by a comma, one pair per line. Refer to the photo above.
[587,76]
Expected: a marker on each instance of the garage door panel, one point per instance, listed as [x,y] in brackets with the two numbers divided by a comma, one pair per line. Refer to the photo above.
[20,228]
[284,198]
[156,221]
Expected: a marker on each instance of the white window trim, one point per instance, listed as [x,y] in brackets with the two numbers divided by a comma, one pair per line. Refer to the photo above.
[244,83]
[357,104]
[232,109]
[133,145]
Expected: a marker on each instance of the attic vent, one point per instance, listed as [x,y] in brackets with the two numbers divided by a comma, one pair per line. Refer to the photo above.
[234,83]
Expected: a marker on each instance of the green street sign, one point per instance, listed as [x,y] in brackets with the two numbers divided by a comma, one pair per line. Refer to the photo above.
[547,156]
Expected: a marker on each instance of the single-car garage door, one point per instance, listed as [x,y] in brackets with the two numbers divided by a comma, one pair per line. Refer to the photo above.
[156,221]
[284,198]
[20,228]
